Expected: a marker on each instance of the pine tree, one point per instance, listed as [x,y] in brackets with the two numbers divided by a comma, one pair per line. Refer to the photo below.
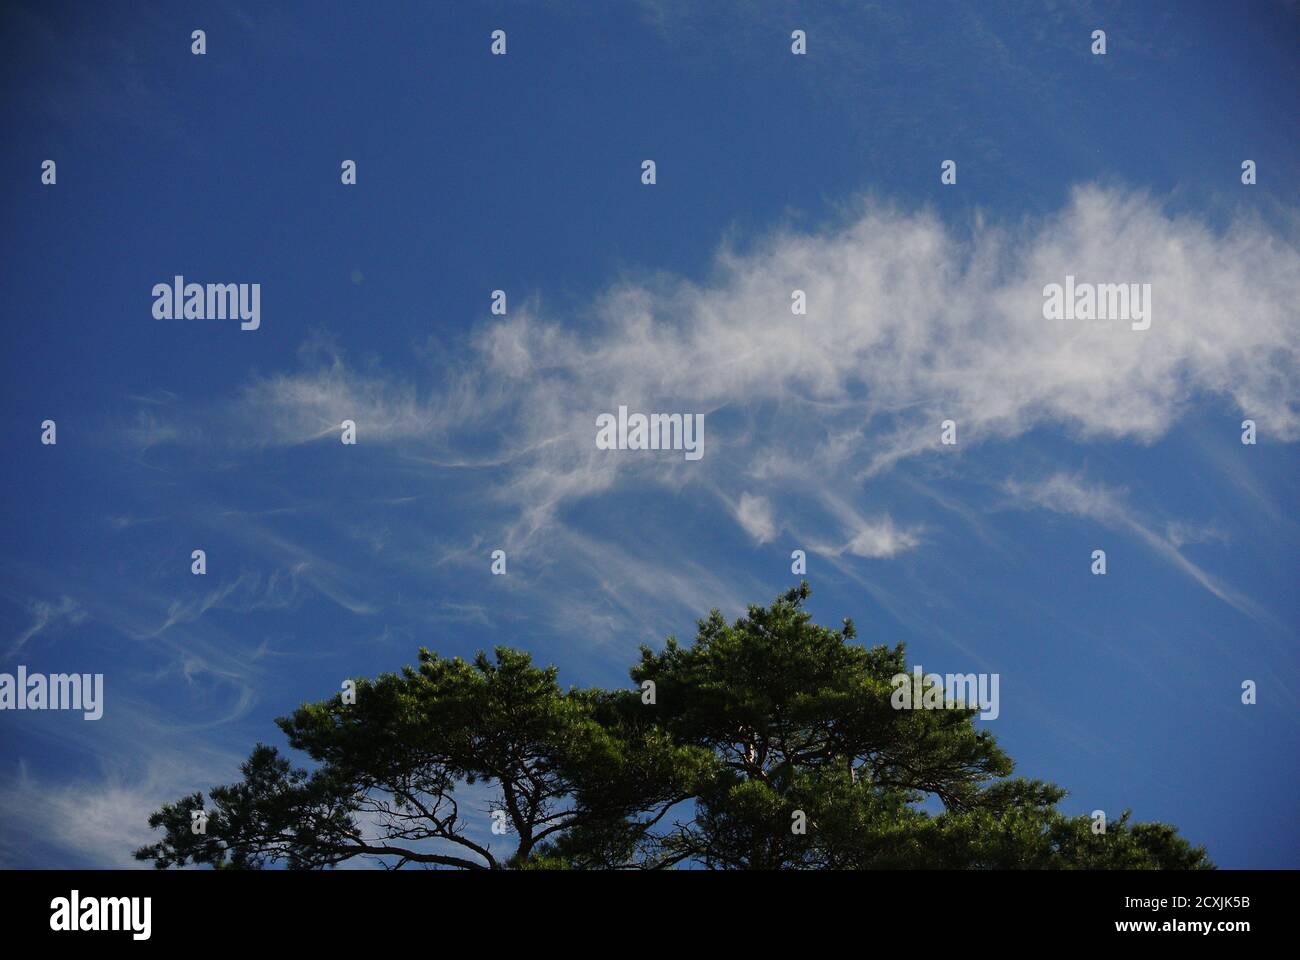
[770,743]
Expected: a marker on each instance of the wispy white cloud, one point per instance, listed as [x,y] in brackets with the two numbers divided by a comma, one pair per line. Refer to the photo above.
[48,615]
[97,819]
[755,515]
[909,322]
[1071,494]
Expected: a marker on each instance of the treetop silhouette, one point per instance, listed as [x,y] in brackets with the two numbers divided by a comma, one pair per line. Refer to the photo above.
[767,743]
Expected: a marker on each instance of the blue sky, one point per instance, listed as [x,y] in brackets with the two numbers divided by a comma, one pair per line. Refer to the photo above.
[475,431]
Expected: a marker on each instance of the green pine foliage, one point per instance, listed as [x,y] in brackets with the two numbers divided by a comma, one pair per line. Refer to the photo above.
[771,744]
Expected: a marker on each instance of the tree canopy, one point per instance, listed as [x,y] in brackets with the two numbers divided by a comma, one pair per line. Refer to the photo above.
[767,743]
